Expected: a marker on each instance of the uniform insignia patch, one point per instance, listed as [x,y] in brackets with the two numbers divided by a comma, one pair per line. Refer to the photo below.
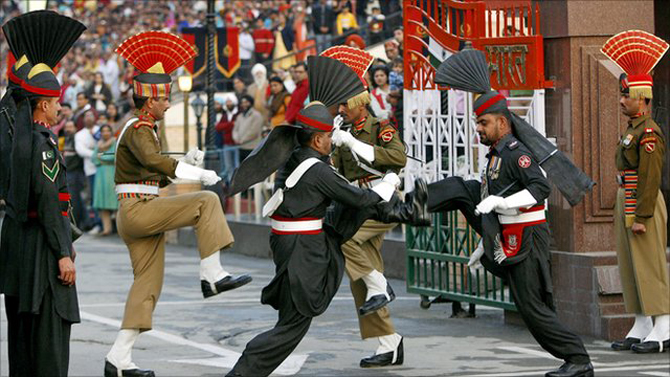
[513,145]
[649,147]
[52,172]
[628,139]
[47,155]
[387,135]
[649,130]
[511,240]
[524,161]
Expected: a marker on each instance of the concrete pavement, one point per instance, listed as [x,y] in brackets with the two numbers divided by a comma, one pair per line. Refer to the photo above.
[197,337]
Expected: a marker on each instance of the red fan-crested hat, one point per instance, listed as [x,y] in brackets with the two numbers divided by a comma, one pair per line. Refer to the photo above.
[636,52]
[156,54]
[359,61]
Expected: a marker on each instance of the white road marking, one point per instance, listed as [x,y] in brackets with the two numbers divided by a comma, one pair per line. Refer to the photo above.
[542,354]
[228,358]
[256,300]
[598,371]
[658,374]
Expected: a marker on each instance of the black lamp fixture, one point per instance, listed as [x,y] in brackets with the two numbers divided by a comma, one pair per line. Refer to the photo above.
[198,108]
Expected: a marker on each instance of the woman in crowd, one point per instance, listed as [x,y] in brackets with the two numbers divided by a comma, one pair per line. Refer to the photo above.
[278,101]
[114,117]
[99,94]
[284,40]
[104,197]
[380,82]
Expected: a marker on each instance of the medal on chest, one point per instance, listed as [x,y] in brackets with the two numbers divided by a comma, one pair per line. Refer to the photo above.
[626,141]
[494,167]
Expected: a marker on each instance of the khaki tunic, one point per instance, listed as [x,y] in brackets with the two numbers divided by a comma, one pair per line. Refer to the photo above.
[642,257]
[362,252]
[142,220]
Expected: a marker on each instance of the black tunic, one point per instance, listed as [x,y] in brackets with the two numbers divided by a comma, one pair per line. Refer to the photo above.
[314,263]
[512,168]
[29,251]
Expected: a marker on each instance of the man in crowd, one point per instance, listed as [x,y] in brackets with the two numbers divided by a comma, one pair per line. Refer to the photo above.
[84,143]
[299,95]
[248,129]
[264,41]
[76,178]
[259,89]
[83,106]
[323,20]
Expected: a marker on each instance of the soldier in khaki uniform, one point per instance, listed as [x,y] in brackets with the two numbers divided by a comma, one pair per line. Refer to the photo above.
[373,144]
[143,217]
[640,211]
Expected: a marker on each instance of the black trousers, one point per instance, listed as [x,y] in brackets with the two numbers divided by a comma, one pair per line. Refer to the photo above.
[527,284]
[264,353]
[38,344]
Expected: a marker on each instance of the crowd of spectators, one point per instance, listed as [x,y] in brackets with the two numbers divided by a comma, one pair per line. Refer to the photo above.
[270,87]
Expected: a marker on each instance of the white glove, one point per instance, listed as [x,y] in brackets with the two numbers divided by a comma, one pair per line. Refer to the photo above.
[338,121]
[521,199]
[342,138]
[386,188]
[194,157]
[190,172]
[392,178]
[474,262]
[489,204]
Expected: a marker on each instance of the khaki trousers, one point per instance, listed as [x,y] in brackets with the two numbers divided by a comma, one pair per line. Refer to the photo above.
[642,262]
[362,254]
[142,223]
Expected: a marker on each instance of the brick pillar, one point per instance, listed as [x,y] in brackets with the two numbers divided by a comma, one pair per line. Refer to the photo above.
[582,113]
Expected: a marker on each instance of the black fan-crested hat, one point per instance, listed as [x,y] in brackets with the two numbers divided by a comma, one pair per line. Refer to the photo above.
[332,82]
[45,37]
[468,71]
[18,71]
[315,117]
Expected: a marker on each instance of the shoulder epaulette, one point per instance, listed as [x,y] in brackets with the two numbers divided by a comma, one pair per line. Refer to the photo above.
[143,123]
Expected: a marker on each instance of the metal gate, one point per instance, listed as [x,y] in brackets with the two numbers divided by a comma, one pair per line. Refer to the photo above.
[439,130]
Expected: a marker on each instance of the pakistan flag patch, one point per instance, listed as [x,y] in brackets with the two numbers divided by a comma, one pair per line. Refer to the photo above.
[52,172]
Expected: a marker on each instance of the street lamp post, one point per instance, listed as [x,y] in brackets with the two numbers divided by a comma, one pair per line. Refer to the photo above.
[198,108]
[185,85]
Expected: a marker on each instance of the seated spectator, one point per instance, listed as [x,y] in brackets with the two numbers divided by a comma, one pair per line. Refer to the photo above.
[376,25]
[346,21]
[300,93]
[264,41]
[104,196]
[398,35]
[379,103]
[278,101]
[99,94]
[248,127]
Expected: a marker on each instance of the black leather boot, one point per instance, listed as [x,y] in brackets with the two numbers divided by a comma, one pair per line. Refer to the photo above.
[112,371]
[413,211]
[624,345]
[225,284]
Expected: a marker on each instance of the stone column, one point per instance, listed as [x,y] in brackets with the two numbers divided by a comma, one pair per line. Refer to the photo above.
[582,112]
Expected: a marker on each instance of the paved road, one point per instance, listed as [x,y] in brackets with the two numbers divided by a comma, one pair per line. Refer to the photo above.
[194,337]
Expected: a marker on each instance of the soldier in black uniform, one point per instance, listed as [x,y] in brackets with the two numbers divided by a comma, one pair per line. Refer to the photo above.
[509,213]
[307,254]
[38,274]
